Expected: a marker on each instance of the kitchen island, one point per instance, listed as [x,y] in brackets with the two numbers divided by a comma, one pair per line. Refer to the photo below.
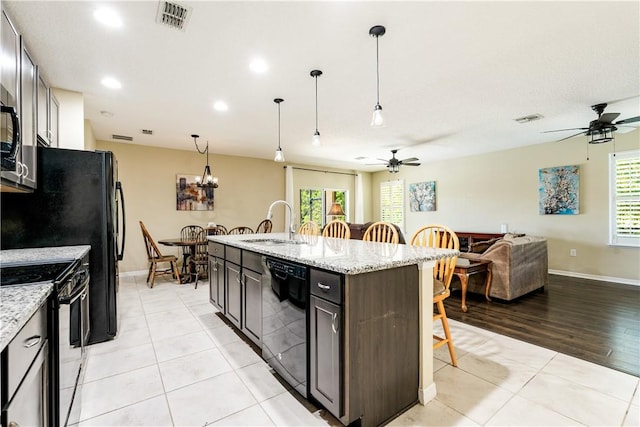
[361,327]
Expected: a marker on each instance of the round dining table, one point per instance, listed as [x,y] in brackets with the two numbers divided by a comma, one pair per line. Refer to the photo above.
[191,243]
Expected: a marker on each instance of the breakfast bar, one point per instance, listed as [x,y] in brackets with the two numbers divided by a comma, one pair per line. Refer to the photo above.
[347,323]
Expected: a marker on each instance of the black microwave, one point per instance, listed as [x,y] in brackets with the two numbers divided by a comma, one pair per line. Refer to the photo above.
[10,134]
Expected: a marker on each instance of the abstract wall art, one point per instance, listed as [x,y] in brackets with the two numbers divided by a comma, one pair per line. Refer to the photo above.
[422,196]
[559,190]
[190,197]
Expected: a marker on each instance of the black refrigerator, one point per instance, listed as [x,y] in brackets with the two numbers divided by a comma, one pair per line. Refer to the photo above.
[79,201]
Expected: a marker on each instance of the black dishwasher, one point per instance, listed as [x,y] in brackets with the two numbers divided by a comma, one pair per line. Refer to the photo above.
[285,323]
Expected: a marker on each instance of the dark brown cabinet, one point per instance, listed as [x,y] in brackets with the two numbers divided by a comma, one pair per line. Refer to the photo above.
[325,346]
[233,286]
[216,276]
[252,296]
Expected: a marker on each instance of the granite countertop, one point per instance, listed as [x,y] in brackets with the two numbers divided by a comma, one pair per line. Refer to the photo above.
[347,256]
[18,303]
[36,255]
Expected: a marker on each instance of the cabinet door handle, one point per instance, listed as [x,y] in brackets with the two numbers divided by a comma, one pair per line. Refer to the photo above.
[334,326]
[19,168]
[25,170]
[31,341]
[324,287]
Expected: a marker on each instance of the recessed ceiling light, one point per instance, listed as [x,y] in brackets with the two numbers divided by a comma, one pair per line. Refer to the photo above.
[106,113]
[220,106]
[108,17]
[259,66]
[111,83]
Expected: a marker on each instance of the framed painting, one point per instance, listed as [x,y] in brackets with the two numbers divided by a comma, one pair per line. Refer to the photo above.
[559,190]
[422,196]
[190,197]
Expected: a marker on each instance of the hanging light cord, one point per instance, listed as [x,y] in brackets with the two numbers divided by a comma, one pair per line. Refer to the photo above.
[205,151]
[316,77]
[377,73]
[279,126]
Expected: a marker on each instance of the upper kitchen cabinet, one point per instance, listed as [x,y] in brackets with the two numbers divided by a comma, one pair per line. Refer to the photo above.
[9,97]
[18,94]
[48,114]
[28,117]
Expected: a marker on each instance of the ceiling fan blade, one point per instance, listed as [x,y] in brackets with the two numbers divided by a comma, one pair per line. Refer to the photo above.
[410,159]
[562,130]
[629,120]
[608,117]
[410,164]
[383,160]
[571,136]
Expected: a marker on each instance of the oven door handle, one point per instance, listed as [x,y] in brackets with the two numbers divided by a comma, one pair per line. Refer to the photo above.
[73,295]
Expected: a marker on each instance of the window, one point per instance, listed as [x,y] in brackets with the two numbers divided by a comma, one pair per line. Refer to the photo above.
[624,193]
[315,205]
[392,202]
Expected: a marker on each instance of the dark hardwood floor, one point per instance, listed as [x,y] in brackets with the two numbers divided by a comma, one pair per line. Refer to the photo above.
[588,319]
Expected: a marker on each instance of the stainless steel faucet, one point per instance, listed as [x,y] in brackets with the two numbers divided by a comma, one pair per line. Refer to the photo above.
[292,229]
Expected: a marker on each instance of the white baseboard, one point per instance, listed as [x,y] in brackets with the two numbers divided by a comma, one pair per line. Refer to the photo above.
[596,277]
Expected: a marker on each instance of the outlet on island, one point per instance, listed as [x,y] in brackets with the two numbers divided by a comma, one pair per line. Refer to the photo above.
[573,252]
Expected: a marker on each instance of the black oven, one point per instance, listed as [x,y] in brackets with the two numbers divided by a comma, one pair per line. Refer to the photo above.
[70,318]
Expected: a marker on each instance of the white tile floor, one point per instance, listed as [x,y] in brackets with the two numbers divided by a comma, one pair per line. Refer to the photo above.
[175,363]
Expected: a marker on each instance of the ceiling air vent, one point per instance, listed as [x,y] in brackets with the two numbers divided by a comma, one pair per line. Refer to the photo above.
[173,15]
[122,137]
[530,118]
[147,132]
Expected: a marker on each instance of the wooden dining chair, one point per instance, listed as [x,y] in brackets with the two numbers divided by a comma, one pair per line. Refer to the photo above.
[200,259]
[188,232]
[381,231]
[440,236]
[155,257]
[309,228]
[337,228]
[265,226]
[216,231]
[241,230]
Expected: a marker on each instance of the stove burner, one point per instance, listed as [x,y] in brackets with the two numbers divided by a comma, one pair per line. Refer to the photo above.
[31,273]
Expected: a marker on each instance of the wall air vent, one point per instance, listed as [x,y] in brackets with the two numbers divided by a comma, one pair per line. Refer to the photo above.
[122,137]
[530,118]
[173,15]
[147,132]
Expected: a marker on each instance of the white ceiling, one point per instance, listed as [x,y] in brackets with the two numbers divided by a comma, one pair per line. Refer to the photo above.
[453,75]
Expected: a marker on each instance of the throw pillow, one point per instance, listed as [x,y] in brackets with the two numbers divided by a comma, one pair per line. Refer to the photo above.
[480,247]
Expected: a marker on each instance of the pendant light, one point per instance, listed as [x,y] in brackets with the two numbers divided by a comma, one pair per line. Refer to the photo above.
[279,154]
[377,120]
[315,141]
[207,180]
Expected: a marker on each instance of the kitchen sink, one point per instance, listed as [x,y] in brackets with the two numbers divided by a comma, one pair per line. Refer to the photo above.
[273,242]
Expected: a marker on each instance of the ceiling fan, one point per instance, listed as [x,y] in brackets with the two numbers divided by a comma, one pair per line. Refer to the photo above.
[393,164]
[601,129]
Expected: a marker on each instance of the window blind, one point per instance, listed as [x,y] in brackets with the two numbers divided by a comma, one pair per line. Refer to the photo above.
[392,202]
[625,198]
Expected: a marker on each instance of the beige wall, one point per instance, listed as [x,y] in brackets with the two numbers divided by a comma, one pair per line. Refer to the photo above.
[148,176]
[89,137]
[480,193]
[71,119]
